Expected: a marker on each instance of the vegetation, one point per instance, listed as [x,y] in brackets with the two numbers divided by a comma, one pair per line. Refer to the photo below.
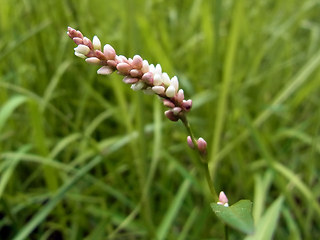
[82,156]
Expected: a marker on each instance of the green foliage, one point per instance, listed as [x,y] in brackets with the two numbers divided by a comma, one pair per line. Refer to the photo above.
[238,216]
[82,156]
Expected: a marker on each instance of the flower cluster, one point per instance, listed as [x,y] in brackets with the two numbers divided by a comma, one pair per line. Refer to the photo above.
[137,72]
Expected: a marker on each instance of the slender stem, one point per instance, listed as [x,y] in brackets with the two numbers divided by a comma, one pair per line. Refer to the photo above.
[202,158]
[226,232]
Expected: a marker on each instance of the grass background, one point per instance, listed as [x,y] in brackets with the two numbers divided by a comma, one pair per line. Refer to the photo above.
[84,157]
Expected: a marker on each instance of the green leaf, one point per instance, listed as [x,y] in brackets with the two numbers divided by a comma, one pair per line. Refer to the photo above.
[267,224]
[238,215]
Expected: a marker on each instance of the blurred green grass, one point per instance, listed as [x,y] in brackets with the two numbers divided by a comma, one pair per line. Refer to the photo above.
[84,157]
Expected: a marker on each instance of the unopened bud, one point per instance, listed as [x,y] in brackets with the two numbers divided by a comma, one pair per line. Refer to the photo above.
[168,103]
[148,78]
[93,60]
[130,80]
[202,145]
[137,62]
[190,143]
[186,104]
[96,43]
[170,115]
[109,52]
[223,200]
[105,70]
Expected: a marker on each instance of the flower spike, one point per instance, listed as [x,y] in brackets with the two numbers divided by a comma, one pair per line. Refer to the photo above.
[136,71]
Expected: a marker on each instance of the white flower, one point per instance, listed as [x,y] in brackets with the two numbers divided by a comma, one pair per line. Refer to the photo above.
[93,60]
[80,55]
[170,92]
[166,79]
[175,83]
[96,43]
[157,81]
[158,89]
[145,66]
[83,49]
[158,69]
[137,86]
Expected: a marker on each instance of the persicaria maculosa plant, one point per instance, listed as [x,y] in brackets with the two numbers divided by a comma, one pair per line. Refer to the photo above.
[151,79]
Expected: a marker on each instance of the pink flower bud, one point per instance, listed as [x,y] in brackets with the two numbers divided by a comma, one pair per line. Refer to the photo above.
[77,40]
[137,62]
[100,55]
[190,143]
[130,80]
[170,115]
[123,68]
[168,103]
[180,96]
[223,200]
[78,34]
[186,105]
[202,145]
[176,110]
[87,42]
[148,78]
[109,52]
[112,63]
[136,73]
[105,70]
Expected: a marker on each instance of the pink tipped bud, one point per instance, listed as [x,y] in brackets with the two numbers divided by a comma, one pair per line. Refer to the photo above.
[78,34]
[170,115]
[87,42]
[148,78]
[186,105]
[136,73]
[176,110]
[202,145]
[168,103]
[223,200]
[130,80]
[100,55]
[190,143]
[123,68]
[93,60]
[109,52]
[77,40]
[112,63]
[105,70]
[137,62]
[180,96]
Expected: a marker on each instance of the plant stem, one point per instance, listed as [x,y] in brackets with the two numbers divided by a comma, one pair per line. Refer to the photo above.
[202,159]
[226,232]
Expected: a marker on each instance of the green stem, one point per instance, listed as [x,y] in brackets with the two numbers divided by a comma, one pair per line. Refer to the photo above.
[202,158]
[226,232]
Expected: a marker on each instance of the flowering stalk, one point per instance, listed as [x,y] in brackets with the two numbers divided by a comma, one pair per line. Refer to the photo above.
[145,77]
